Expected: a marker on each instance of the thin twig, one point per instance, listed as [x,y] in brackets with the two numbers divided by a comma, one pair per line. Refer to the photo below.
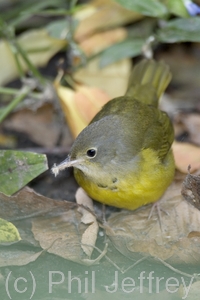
[12,91]
[196,276]
[108,259]
[136,263]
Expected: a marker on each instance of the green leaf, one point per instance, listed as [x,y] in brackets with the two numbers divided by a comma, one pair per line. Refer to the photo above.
[58,29]
[25,9]
[125,49]
[180,30]
[177,8]
[8,232]
[151,8]
[18,168]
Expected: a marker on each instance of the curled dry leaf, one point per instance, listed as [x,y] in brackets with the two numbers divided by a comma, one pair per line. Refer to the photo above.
[81,105]
[186,154]
[71,113]
[85,202]
[89,236]
[191,190]
[135,236]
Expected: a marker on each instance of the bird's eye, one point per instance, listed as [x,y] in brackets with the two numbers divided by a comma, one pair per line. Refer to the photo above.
[91,152]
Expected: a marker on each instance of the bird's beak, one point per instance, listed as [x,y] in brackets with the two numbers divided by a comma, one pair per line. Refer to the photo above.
[64,164]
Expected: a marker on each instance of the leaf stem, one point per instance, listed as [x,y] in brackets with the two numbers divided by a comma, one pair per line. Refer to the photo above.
[12,91]
[14,103]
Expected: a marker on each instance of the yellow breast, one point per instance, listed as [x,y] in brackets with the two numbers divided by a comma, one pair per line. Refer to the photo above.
[134,189]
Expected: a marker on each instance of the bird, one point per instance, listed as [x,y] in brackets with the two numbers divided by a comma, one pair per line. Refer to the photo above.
[123,158]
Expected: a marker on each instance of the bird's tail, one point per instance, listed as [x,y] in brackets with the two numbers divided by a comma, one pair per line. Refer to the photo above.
[148,81]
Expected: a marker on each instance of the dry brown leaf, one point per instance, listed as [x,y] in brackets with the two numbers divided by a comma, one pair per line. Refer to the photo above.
[41,125]
[99,41]
[135,236]
[21,208]
[186,154]
[80,106]
[186,76]
[101,15]
[60,235]
[89,236]
[56,225]
[27,203]
[112,79]
[10,256]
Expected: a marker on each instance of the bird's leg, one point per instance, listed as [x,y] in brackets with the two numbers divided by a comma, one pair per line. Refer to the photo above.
[103,213]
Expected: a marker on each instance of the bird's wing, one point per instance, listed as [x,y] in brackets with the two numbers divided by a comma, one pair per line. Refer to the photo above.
[160,134]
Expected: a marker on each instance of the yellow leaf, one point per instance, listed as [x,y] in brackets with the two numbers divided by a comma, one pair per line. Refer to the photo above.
[100,85]
[112,79]
[73,117]
[89,101]
[8,232]
[7,141]
[39,40]
[80,106]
